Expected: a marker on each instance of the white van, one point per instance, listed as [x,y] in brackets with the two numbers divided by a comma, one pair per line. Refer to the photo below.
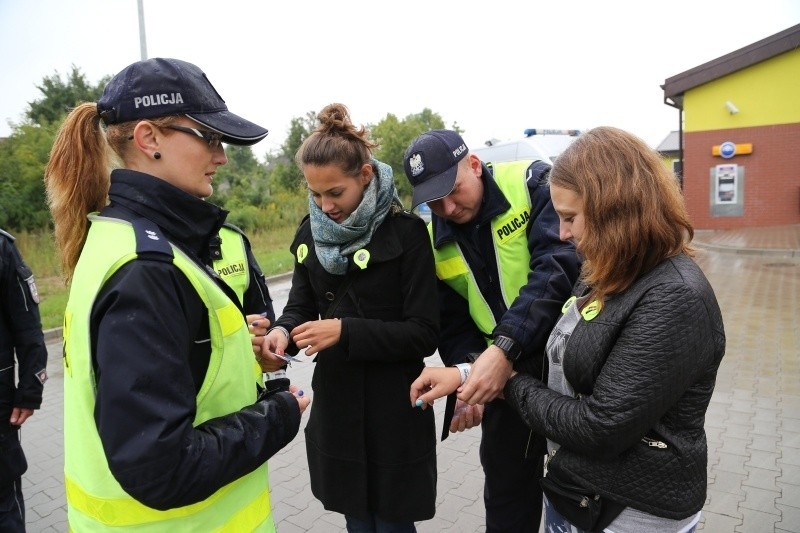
[535,145]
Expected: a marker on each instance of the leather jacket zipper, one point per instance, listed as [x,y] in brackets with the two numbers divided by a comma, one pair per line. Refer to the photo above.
[654,443]
[549,456]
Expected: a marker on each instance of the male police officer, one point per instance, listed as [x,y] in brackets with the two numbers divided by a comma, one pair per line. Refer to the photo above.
[504,275]
[20,333]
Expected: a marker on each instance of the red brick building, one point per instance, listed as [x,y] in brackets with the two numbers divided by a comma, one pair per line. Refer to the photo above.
[740,137]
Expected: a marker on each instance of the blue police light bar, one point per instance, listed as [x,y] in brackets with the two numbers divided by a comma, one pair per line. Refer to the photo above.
[530,132]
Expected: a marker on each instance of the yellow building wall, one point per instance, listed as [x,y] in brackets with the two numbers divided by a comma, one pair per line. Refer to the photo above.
[766,93]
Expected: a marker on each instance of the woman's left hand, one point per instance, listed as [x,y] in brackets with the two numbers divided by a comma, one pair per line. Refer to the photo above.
[317,335]
[433,383]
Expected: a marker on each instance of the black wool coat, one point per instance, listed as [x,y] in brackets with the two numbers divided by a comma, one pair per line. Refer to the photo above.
[370,451]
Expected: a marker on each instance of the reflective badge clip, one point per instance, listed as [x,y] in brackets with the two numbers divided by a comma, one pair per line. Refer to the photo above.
[302,252]
[361,258]
[591,310]
[41,375]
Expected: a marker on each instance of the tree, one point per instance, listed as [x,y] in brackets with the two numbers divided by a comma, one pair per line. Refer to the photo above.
[241,187]
[395,135]
[284,172]
[23,157]
[243,180]
[58,96]
[24,154]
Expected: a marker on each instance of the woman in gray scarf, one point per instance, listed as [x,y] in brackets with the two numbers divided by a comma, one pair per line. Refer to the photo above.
[363,303]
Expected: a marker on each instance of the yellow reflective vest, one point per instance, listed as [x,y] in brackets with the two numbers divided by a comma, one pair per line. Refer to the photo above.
[510,240]
[233,267]
[95,501]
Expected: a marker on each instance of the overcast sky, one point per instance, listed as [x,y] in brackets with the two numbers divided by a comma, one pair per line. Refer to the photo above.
[494,67]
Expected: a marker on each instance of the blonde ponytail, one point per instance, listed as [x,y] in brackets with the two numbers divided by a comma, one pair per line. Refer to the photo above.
[76,180]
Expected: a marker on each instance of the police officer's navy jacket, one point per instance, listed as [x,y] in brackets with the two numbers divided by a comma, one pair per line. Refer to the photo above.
[20,332]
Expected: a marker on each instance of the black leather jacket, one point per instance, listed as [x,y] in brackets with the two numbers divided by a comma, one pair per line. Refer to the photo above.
[643,371]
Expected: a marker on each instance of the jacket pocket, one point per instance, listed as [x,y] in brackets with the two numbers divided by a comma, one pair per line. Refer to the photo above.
[581,507]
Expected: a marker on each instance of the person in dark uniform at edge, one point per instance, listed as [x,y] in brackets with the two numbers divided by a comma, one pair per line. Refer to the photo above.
[21,339]
[503,277]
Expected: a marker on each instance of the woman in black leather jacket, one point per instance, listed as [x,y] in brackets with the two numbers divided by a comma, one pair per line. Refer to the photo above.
[634,357]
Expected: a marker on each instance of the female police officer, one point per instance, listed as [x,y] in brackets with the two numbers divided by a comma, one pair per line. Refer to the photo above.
[159,372]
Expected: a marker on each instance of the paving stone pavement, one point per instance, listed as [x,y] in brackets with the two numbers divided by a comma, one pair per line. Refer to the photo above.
[753,421]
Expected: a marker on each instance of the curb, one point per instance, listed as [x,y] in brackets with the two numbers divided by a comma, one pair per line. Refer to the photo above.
[771,252]
[55,334]
[277,278]
[52,335]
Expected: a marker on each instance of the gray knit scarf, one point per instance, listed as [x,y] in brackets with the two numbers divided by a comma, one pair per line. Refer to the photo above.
[333,241]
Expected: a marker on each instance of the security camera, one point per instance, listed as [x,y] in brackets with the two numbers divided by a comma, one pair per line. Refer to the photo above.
[730,107]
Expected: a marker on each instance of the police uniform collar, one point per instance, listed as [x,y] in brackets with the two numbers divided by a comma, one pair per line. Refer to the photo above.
[183,217]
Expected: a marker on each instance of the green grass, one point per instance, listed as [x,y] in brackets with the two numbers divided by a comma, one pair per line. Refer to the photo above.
[271,249]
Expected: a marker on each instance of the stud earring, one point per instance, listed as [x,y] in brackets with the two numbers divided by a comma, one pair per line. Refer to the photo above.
[157,155]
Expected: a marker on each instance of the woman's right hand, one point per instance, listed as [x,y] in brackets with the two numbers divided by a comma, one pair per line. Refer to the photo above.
[275,342]
[434,383]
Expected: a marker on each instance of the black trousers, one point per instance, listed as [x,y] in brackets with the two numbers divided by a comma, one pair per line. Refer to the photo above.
[12,466]
[12,507]
[513,462]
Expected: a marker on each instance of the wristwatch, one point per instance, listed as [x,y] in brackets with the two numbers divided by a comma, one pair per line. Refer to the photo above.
[510,348]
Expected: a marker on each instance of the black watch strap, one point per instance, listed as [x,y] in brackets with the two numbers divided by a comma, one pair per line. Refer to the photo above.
[510,348]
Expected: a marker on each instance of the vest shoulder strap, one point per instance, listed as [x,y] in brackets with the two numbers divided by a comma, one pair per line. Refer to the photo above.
[150,241]
[234,227]
[238,230]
